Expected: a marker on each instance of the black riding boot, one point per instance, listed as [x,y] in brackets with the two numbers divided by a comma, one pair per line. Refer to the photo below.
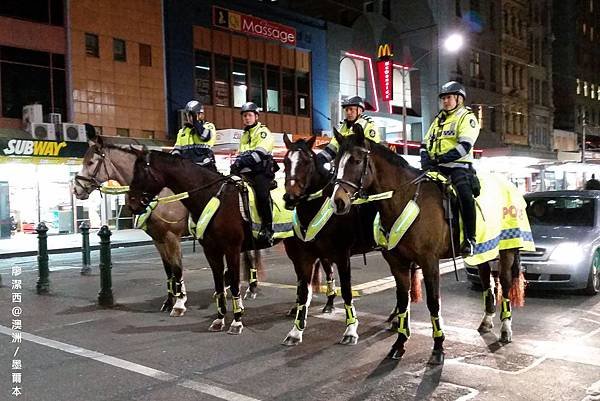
[461,179]
[263,206]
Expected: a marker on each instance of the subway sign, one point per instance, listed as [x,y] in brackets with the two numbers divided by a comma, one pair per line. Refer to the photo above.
[28,147]
[385,68]
[248,24]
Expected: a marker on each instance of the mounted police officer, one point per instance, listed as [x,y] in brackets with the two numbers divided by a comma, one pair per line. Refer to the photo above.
[448,148]
[353,108]
[197,137]
[255,162]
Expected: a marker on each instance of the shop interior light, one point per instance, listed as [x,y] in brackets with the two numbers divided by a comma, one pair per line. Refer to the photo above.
[358,56]
[202,67]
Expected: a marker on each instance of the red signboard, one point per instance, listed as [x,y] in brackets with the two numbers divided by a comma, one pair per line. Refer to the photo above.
[385,72]
[243,23]
[386,79]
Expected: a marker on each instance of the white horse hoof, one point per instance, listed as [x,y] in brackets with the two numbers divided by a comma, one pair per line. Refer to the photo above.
[217,325]
[291,341]
[235,328]
[349,340]
[177,312]
[249,294]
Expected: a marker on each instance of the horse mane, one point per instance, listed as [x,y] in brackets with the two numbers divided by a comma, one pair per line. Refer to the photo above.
[378,149]
[181,161]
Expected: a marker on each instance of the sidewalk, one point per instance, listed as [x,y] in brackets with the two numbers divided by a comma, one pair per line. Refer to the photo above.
[27,244]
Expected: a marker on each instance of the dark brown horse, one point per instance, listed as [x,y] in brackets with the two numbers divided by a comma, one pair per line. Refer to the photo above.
[340,238]
[166,225]
[363,166]
[226,235]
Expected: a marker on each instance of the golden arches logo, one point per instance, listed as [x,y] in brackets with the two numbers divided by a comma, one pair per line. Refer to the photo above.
[384,51]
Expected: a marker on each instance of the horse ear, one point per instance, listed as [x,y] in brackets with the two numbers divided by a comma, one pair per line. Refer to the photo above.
[286,140]
[359,131]
[90,132]
[311,141]
[336,134]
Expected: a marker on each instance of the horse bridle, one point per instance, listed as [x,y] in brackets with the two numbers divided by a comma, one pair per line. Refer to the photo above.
[359,189]
[92,180]
[306,194]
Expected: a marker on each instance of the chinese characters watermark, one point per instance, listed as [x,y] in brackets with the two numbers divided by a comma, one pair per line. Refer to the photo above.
[16,334]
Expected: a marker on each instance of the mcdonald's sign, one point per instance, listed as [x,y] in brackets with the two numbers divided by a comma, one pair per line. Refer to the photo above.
[385,71]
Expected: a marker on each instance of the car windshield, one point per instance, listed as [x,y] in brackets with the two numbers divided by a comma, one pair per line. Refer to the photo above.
[561,211]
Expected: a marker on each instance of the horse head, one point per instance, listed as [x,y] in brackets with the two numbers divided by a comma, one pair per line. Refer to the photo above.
[300,166]
[354,173]
[92,173]
[147,181]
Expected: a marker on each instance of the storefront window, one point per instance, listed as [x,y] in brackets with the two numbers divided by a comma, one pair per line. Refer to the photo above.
[202,77]
[257,84]
[352,78]
[222,68]
[239,77]
[303,88]
[288,91]
[399,82]
[273,89]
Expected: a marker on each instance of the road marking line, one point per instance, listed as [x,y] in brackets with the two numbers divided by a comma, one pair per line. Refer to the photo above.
[132,367]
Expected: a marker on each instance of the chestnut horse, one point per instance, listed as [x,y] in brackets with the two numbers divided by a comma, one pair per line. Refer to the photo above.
[366,167]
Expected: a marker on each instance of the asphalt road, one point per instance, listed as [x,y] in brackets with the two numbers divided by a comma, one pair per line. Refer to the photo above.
[74,350]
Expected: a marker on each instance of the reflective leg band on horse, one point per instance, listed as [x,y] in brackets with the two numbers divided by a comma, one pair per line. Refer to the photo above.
[301,313]
[489,301]
[221,304]
[437,328]
[506,313]
[178,288]
[238,308]
[170,285]
[330,287]
[253,276]
[404,324]
[350,314]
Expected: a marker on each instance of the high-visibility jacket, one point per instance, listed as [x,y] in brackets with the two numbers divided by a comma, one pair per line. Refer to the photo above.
[369,128]
[192,144]
[446,133]
[256,147]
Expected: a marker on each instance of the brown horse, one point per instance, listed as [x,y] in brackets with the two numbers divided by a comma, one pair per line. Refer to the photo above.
[227,234]
[166,225]
[372,168]
[336,241]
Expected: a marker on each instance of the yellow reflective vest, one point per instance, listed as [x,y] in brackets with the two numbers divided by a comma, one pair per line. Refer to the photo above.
[368,125]
[450,128]
[188,138]
[258,138]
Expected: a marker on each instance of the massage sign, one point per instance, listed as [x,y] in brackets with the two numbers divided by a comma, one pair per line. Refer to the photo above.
[250,25]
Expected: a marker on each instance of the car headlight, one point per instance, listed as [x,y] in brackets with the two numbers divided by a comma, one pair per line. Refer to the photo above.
[568,253]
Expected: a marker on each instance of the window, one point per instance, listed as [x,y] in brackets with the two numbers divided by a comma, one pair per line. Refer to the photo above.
[386,9]
[492,19]
[287,79]
[202,77]
[303,90]
[398,83]
[147,134]
[493,120]
[92,47]
[578,91]
[221,84]
[475,6]
[352,78]
[593,91]
[122,131]
[585,88]
[492,69]
[474,67]
[273,89]
[257,84]
[42,11]
[119,50]
[28,77]
[145,55]
[457,8]
[239,77]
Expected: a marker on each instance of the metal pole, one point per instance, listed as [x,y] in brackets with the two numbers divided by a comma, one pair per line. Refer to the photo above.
[404,139]
[105,296]
[583,144]
[86,268]
[43,284]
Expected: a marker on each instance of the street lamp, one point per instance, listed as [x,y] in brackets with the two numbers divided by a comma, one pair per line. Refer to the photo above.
[452,44]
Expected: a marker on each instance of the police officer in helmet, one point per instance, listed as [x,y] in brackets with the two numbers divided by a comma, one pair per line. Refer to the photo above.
[255,162]
[448,148]
[197,137]
[353,110]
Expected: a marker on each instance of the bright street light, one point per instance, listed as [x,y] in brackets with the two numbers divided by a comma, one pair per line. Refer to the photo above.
[453,42]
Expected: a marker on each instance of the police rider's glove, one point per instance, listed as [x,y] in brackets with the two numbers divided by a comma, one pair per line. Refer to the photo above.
[188,125]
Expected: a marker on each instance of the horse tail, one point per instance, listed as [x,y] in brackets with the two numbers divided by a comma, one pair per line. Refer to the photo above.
[517,290]
[315,281]
[416,294]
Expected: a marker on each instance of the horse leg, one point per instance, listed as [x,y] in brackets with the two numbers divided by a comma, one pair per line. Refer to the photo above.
[431,274]
[250,266]
[215,260]
[402,326]
[303,266]
[233,262]
[173,250]
[351,334]
[328,268]
[505,275]
[489,298]
[167,305]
